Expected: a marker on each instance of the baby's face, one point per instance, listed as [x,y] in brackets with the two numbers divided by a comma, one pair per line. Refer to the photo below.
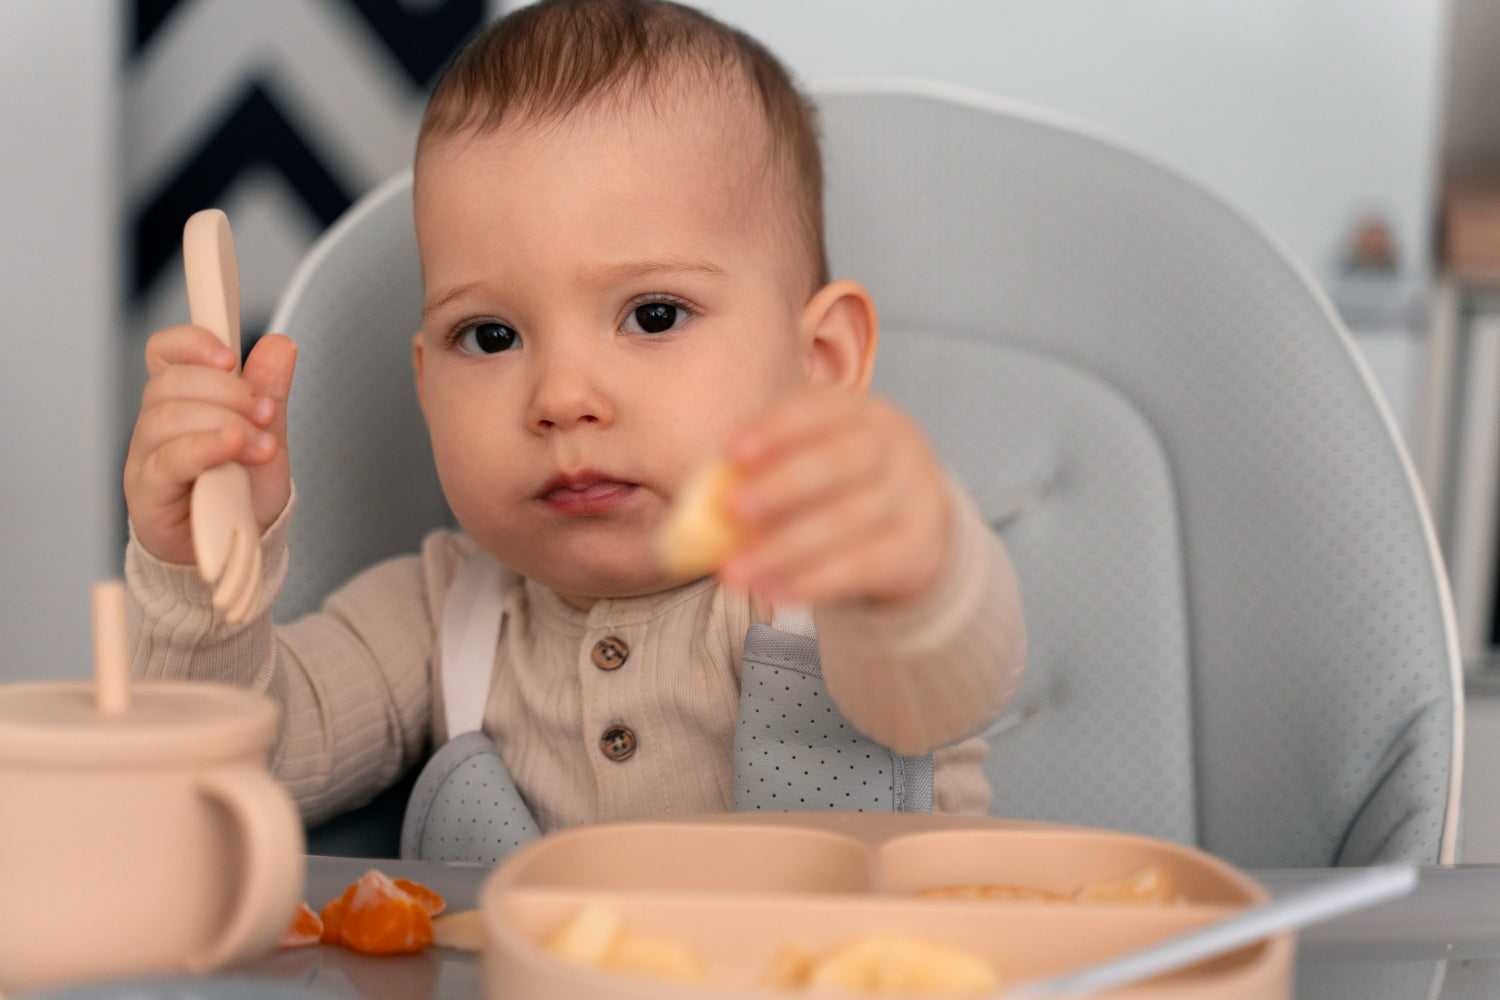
[606,304]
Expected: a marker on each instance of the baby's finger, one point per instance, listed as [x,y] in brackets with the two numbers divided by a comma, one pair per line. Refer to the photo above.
[804,416]
[815,535]
[268,372]
[180,461]
[167,422]
[197,383]
[841,458]
[187,345]
[852,572]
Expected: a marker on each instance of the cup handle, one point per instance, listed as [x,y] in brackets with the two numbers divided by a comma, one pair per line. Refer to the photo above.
[273,876]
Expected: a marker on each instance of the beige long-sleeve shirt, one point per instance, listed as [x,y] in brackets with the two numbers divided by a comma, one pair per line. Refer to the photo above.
[356,681]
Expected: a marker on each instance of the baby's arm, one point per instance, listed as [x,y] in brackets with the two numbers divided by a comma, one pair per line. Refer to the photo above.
[355,678]
[352,681]
[196,413]
[920,676]
[846,508]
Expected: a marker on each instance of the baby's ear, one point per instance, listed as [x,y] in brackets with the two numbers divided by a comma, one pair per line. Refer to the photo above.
[840,333]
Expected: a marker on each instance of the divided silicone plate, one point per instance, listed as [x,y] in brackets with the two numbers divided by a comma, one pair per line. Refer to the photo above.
[739,888]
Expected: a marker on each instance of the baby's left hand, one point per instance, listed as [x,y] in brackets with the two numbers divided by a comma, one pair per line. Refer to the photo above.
[842,500]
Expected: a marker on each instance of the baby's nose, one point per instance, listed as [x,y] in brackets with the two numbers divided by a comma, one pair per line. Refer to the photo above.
[569,394]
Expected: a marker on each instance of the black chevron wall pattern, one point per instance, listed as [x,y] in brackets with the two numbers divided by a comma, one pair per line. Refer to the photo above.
[253,134]
[281,112]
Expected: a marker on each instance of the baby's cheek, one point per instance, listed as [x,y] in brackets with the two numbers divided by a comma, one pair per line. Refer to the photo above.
[470,488]
[741,402]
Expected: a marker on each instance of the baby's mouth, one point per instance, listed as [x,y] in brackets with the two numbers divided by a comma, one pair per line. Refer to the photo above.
[584,493]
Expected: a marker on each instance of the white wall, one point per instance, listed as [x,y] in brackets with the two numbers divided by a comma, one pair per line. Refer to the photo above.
[1304,113]
[58,281]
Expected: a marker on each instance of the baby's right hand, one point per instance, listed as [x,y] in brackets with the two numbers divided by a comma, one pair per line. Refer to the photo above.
[196,413]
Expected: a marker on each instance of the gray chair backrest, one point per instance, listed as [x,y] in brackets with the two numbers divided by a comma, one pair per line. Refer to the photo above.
[366,485]
[1240,630]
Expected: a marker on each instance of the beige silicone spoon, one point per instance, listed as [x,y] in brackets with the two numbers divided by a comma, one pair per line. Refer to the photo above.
[226,538]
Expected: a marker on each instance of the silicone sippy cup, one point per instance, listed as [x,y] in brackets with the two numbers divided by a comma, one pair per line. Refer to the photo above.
[141,832]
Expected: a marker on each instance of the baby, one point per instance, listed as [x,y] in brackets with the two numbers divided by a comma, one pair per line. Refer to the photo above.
[619,210]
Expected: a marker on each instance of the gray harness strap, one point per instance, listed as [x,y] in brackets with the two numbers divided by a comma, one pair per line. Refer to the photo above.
[465,806]
[792,747]
[794,750]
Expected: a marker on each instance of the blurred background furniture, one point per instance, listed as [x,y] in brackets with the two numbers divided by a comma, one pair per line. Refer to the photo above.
[1240,632]
[1460,454]
[1460,465]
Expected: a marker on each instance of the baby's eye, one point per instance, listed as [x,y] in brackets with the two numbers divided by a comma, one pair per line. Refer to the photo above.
[654,317]
[488,338]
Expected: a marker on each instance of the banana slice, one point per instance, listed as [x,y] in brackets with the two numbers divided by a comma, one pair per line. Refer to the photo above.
[461,931]
[586,938]
[699,532]
[898,964]
[790,970]
[1151,886]
[596,939]
[651,955]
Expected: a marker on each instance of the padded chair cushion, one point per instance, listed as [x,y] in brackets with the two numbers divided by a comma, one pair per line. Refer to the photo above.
[1076,481]
[1324,675]
[366,485]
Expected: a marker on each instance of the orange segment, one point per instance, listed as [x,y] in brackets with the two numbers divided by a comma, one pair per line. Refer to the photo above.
[431,901]
[333,917]
[306,929]
[379,915]
[380,918]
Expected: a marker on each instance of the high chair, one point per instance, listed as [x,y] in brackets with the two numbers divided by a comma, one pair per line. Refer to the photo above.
[1240,632]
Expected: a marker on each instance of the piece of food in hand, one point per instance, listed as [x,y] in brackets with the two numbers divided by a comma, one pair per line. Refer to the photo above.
[1151,886]
[596,938]
[461,931]
[306,929]
[700,533]
[376,916]
[903,965]
[992,893]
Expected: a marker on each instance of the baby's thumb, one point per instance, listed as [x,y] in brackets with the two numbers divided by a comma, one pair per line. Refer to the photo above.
[269,370]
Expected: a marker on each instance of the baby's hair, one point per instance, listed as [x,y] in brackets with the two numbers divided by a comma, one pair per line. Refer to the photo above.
[547,59]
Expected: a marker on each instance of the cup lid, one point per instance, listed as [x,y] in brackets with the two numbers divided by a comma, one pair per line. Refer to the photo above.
[57,721]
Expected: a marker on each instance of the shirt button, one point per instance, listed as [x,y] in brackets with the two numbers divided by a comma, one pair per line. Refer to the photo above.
[610,653]
[618,743]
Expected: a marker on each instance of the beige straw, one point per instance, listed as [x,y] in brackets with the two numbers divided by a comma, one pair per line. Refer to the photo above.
[111,662]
